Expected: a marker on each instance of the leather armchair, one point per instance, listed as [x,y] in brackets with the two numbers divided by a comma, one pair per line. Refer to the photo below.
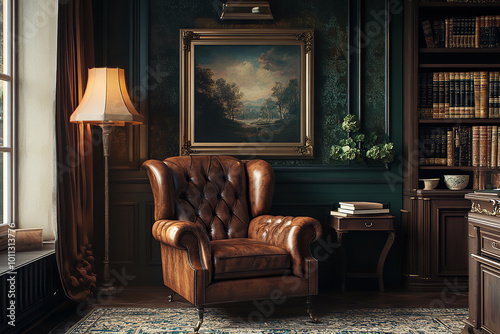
[218,241]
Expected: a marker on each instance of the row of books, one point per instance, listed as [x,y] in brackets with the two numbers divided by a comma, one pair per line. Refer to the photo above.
[463,32]
[359,208]
[459,94]
[476,146]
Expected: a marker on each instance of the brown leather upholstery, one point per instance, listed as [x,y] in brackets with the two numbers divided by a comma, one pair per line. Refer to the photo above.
[186,235]
[261,186]
[211,191]
[244,258]
[218,241]
[285,232]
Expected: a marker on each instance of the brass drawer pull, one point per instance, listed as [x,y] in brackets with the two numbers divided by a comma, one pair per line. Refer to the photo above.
[494,245]
[368,224]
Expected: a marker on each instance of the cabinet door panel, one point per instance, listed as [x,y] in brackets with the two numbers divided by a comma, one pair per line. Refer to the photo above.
[491,298]
[450,239]
[453,254]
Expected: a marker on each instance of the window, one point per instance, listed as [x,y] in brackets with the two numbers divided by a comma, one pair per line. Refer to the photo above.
[6,112]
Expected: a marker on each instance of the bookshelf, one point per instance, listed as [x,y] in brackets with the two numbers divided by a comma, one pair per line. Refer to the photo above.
[440,113]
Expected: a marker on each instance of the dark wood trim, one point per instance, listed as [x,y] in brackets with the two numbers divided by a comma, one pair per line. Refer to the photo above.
[410,43]
[305,180]
[354,61]
[327,205]
[328,168]
[356,90]
[459,50]
[464,66]
[458,121]
[458,5]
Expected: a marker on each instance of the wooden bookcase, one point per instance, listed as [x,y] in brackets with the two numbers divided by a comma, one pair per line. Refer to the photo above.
[434,222]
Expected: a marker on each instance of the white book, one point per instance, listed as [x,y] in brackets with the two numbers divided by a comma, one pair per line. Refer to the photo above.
[339,214]
[360,205]
[363,212]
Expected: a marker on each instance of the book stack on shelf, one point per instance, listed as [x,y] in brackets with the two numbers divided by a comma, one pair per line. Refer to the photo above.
[347,209]
[463,32]
[459,94]
[462,146]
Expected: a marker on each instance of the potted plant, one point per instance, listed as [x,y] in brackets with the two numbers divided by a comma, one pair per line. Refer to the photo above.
[358,147]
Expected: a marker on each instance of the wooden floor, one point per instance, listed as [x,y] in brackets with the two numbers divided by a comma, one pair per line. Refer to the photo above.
[157,296]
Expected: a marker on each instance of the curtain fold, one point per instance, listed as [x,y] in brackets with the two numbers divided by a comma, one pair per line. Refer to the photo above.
[75,55]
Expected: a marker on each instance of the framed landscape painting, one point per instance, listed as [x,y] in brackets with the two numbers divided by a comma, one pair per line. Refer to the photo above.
[247,92]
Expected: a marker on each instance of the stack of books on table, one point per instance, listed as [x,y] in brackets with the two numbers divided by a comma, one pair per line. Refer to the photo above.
[359,208]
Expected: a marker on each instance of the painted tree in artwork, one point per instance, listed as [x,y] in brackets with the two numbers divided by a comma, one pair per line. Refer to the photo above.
[269,110]
[278,95]
[291,98]
[229,98]
[287,98]
[204,81]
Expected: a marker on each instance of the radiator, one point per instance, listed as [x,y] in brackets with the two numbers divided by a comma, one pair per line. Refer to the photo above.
[32,288]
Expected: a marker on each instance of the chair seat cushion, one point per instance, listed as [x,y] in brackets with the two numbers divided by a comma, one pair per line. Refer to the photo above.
[244,258]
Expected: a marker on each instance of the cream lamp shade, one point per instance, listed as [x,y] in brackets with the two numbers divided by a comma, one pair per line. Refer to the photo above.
[106,100]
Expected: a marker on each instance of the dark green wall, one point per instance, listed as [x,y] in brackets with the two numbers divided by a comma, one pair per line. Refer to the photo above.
[303,187]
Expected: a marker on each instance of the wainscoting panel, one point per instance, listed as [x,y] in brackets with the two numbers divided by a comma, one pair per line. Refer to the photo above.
[123,227]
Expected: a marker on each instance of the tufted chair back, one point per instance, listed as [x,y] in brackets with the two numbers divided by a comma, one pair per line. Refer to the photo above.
[212,191]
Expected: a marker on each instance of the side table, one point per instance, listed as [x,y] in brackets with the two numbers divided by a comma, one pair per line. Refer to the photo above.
[380,223]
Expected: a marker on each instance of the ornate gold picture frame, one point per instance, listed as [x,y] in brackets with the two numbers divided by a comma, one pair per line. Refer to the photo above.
[247,92]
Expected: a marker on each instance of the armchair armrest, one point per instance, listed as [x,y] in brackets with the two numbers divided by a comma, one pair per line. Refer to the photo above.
[294,234]
[188,236]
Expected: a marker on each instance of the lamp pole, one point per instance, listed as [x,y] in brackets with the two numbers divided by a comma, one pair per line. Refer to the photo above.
[106,131]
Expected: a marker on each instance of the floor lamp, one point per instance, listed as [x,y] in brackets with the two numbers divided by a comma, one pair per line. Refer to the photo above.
[106,103]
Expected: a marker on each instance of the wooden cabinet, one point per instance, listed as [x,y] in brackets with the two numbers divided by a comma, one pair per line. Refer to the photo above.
[435,230]
[484,264]
[434,227]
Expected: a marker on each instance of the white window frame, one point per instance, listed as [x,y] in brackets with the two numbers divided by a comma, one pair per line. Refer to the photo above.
[6,79]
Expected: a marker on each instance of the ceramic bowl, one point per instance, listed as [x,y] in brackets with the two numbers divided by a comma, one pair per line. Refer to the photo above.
[456,182]
[430,184]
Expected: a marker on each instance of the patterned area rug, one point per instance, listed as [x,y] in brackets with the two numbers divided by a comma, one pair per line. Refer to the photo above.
[219,321]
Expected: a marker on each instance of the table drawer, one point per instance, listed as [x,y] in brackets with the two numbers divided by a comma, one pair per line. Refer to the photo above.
[490,244]
[365,224]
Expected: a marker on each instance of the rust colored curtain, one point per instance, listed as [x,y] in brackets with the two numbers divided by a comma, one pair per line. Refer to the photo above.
[75,55]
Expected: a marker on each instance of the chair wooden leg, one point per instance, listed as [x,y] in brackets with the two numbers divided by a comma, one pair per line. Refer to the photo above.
[171,297]
[200,319]
[309,310]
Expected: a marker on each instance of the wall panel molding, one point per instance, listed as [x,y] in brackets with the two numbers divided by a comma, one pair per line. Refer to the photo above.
[124,246]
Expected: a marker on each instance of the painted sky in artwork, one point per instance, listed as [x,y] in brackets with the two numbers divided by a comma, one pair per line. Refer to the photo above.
[254,68]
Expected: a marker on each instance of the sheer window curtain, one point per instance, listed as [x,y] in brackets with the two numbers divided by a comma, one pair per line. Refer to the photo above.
[74,152]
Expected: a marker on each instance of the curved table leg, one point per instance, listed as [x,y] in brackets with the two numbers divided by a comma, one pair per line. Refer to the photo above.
[381,260]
